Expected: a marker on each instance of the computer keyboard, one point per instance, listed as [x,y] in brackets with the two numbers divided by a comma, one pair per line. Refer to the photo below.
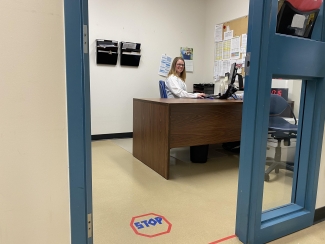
[211,96]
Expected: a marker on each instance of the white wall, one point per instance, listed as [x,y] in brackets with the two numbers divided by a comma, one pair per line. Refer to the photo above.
[162,27]
[34,189]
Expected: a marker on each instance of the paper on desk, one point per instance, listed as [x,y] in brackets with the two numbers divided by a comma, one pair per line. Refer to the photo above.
[218,33]
[165,64]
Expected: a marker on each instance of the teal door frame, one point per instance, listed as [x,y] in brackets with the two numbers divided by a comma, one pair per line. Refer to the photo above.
[279,56]
[79,130]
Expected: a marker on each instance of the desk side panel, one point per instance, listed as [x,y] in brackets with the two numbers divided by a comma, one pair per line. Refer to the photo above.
[199,124]
[150,135]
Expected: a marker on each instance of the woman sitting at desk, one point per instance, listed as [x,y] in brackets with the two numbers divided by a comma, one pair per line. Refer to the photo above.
[175,83]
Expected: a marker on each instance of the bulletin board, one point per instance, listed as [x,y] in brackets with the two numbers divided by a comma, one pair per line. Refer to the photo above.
[239,27]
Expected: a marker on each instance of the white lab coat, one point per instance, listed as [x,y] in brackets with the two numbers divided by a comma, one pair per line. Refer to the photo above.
[176,88]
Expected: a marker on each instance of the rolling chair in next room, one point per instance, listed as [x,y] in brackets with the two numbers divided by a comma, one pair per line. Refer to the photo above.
[282,131]
[162,89]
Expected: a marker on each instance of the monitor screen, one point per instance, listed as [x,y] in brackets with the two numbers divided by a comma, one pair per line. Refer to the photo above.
[232,73]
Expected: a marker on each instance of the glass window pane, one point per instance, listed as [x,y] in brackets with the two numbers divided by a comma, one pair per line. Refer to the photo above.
[281,143]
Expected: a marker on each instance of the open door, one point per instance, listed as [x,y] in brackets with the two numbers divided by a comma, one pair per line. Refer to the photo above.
[284,49]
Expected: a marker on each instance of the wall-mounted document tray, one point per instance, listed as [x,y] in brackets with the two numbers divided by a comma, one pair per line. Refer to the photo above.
[130,53]
[106,51]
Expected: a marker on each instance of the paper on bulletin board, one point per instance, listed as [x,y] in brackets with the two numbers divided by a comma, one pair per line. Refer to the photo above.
[243,61]
[235,47]
[215,70]
[226,66]
[218,51]
[165,64]
[218,33]
[228,35]
[218,69]
[244,40]
[226,49]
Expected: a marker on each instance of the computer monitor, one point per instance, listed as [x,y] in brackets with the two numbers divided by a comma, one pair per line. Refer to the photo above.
[232,73]
[231,87]
[232,77]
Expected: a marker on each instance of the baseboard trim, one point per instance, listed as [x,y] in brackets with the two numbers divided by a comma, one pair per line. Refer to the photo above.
[112,136]
[319,215]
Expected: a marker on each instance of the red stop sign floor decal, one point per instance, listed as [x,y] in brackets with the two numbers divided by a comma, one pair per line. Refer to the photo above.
[150,225]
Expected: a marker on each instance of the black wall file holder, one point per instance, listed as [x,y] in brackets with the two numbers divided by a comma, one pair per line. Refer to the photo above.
[106,52]
[130,53]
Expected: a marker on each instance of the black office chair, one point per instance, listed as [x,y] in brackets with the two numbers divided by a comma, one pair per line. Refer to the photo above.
[280,130]
[162,89]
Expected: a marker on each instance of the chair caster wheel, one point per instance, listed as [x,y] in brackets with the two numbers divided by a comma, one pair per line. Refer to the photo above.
[277,170]
[266,177]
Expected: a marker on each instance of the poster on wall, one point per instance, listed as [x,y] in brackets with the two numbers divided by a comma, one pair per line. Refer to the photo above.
[187,55]
[165,64]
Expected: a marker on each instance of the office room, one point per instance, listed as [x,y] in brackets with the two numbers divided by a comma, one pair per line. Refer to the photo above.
[40,202]
[198,198]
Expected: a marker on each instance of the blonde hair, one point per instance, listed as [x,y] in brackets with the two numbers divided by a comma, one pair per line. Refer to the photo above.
[172,71]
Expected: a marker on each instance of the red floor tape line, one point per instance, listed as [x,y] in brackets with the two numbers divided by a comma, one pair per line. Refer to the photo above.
[223,239]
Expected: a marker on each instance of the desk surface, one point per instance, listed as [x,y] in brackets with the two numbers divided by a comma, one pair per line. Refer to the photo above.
[189,101]
[161,124]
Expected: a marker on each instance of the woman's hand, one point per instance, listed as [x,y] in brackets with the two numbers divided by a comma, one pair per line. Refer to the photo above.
[200,95]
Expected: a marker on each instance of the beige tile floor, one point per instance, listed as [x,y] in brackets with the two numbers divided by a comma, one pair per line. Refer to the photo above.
[199,200]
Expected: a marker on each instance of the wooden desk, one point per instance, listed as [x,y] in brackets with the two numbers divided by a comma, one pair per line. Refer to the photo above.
[162,124]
